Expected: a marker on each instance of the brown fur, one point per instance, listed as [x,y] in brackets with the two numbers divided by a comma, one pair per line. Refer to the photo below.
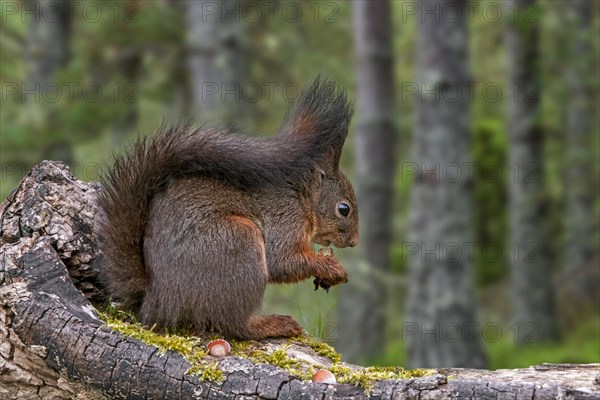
[198,221]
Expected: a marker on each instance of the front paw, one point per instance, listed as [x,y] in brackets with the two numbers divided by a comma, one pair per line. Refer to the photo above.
[332,274]
[319,284]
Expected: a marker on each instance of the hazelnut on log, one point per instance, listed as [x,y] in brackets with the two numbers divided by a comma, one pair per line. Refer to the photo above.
[324,376]
[219,348]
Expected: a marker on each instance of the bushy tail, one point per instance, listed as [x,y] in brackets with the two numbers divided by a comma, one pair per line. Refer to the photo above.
[318,123]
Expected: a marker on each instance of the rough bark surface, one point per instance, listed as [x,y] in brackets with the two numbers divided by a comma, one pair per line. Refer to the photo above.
[440,294]
[54,346]
[218,60]
[534,310]
[47,51]
[581,183]
[362,320]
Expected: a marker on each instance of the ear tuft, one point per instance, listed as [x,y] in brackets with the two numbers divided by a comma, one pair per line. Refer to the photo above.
[322,115]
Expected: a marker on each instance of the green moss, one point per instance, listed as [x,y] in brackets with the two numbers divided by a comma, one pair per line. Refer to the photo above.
[367,377]
[279,358]
[193,350]
[189,347]
[207,371]
[241,347]
[180,344]
[319,347]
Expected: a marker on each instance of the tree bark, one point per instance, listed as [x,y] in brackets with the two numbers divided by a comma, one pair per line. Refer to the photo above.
[362,319]
[47,51]
[582,246]
[441,300]
[54,346]
[129,62]
[48,33]
[531,271]
[218,60]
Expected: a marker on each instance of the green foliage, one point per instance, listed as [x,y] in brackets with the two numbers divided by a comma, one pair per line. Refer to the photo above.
[320,325]
[581,345]
[489,149]
[123,57]
[314,309]
[398,258]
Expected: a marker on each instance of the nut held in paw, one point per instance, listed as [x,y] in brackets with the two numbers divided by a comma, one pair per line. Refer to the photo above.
[324,376]
[326,251]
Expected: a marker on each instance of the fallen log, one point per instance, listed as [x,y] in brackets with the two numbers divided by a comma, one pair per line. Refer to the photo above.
[54,344]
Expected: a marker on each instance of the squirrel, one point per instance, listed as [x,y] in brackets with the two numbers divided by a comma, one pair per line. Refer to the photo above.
[197,221]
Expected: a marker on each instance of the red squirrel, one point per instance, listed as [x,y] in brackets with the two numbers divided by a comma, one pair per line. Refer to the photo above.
[197,221]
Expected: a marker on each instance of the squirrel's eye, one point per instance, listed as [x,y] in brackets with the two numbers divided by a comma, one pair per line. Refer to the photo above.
[343,209]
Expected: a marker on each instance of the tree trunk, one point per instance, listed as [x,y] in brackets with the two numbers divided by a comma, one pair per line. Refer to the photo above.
[54,346]
[582,246]
[48,32]
[441,314]
[218,60]
[531,270]
[47,51]
[362,317]
[129,61]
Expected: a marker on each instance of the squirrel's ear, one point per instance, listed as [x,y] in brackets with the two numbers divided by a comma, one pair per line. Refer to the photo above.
[330,162]
[320,175]
[322,115]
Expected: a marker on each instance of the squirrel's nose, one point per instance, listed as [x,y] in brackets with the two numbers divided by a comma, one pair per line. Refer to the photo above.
[353,241]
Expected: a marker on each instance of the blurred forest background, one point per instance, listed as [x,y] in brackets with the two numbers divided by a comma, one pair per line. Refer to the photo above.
[474,149]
